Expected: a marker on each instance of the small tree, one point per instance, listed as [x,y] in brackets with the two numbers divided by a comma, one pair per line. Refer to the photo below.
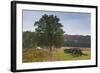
[49,32]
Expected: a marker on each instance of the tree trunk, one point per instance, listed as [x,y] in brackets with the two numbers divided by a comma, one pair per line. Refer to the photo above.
[50,53]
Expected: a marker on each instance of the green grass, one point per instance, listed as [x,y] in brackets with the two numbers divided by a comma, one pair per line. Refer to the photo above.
[44,55]
[63,56]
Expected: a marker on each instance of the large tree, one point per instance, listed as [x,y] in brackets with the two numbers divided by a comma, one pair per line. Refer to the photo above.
[49,32]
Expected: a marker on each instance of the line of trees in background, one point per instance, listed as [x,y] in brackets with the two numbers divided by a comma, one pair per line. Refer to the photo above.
[30,40]
[77,40]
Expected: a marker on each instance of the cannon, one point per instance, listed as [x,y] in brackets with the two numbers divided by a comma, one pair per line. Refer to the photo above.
[74,51]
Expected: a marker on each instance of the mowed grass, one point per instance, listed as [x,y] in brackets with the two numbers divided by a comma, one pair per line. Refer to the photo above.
[63,56]
[34,55]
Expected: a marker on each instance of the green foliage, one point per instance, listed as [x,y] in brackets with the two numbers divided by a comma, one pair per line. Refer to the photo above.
[49,32]
[77,41]
[60,40]
[29,40]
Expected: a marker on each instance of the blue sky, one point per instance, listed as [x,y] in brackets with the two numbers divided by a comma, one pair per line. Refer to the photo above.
[73,23]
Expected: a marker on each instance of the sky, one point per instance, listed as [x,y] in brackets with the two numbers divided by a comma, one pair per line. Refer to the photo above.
[74,23]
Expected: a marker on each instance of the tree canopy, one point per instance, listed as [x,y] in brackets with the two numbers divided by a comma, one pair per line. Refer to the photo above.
[49,31]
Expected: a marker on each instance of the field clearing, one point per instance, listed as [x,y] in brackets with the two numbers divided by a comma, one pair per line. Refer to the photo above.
[36,55]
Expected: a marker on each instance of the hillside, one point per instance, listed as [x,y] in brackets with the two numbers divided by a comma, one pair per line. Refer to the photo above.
[77,40]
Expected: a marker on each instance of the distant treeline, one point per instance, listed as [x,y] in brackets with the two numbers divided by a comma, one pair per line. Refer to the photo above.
[29,40]
[77,40]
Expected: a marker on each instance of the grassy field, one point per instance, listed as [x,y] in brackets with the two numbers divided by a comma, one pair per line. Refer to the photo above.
[63,56]
[35,55]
